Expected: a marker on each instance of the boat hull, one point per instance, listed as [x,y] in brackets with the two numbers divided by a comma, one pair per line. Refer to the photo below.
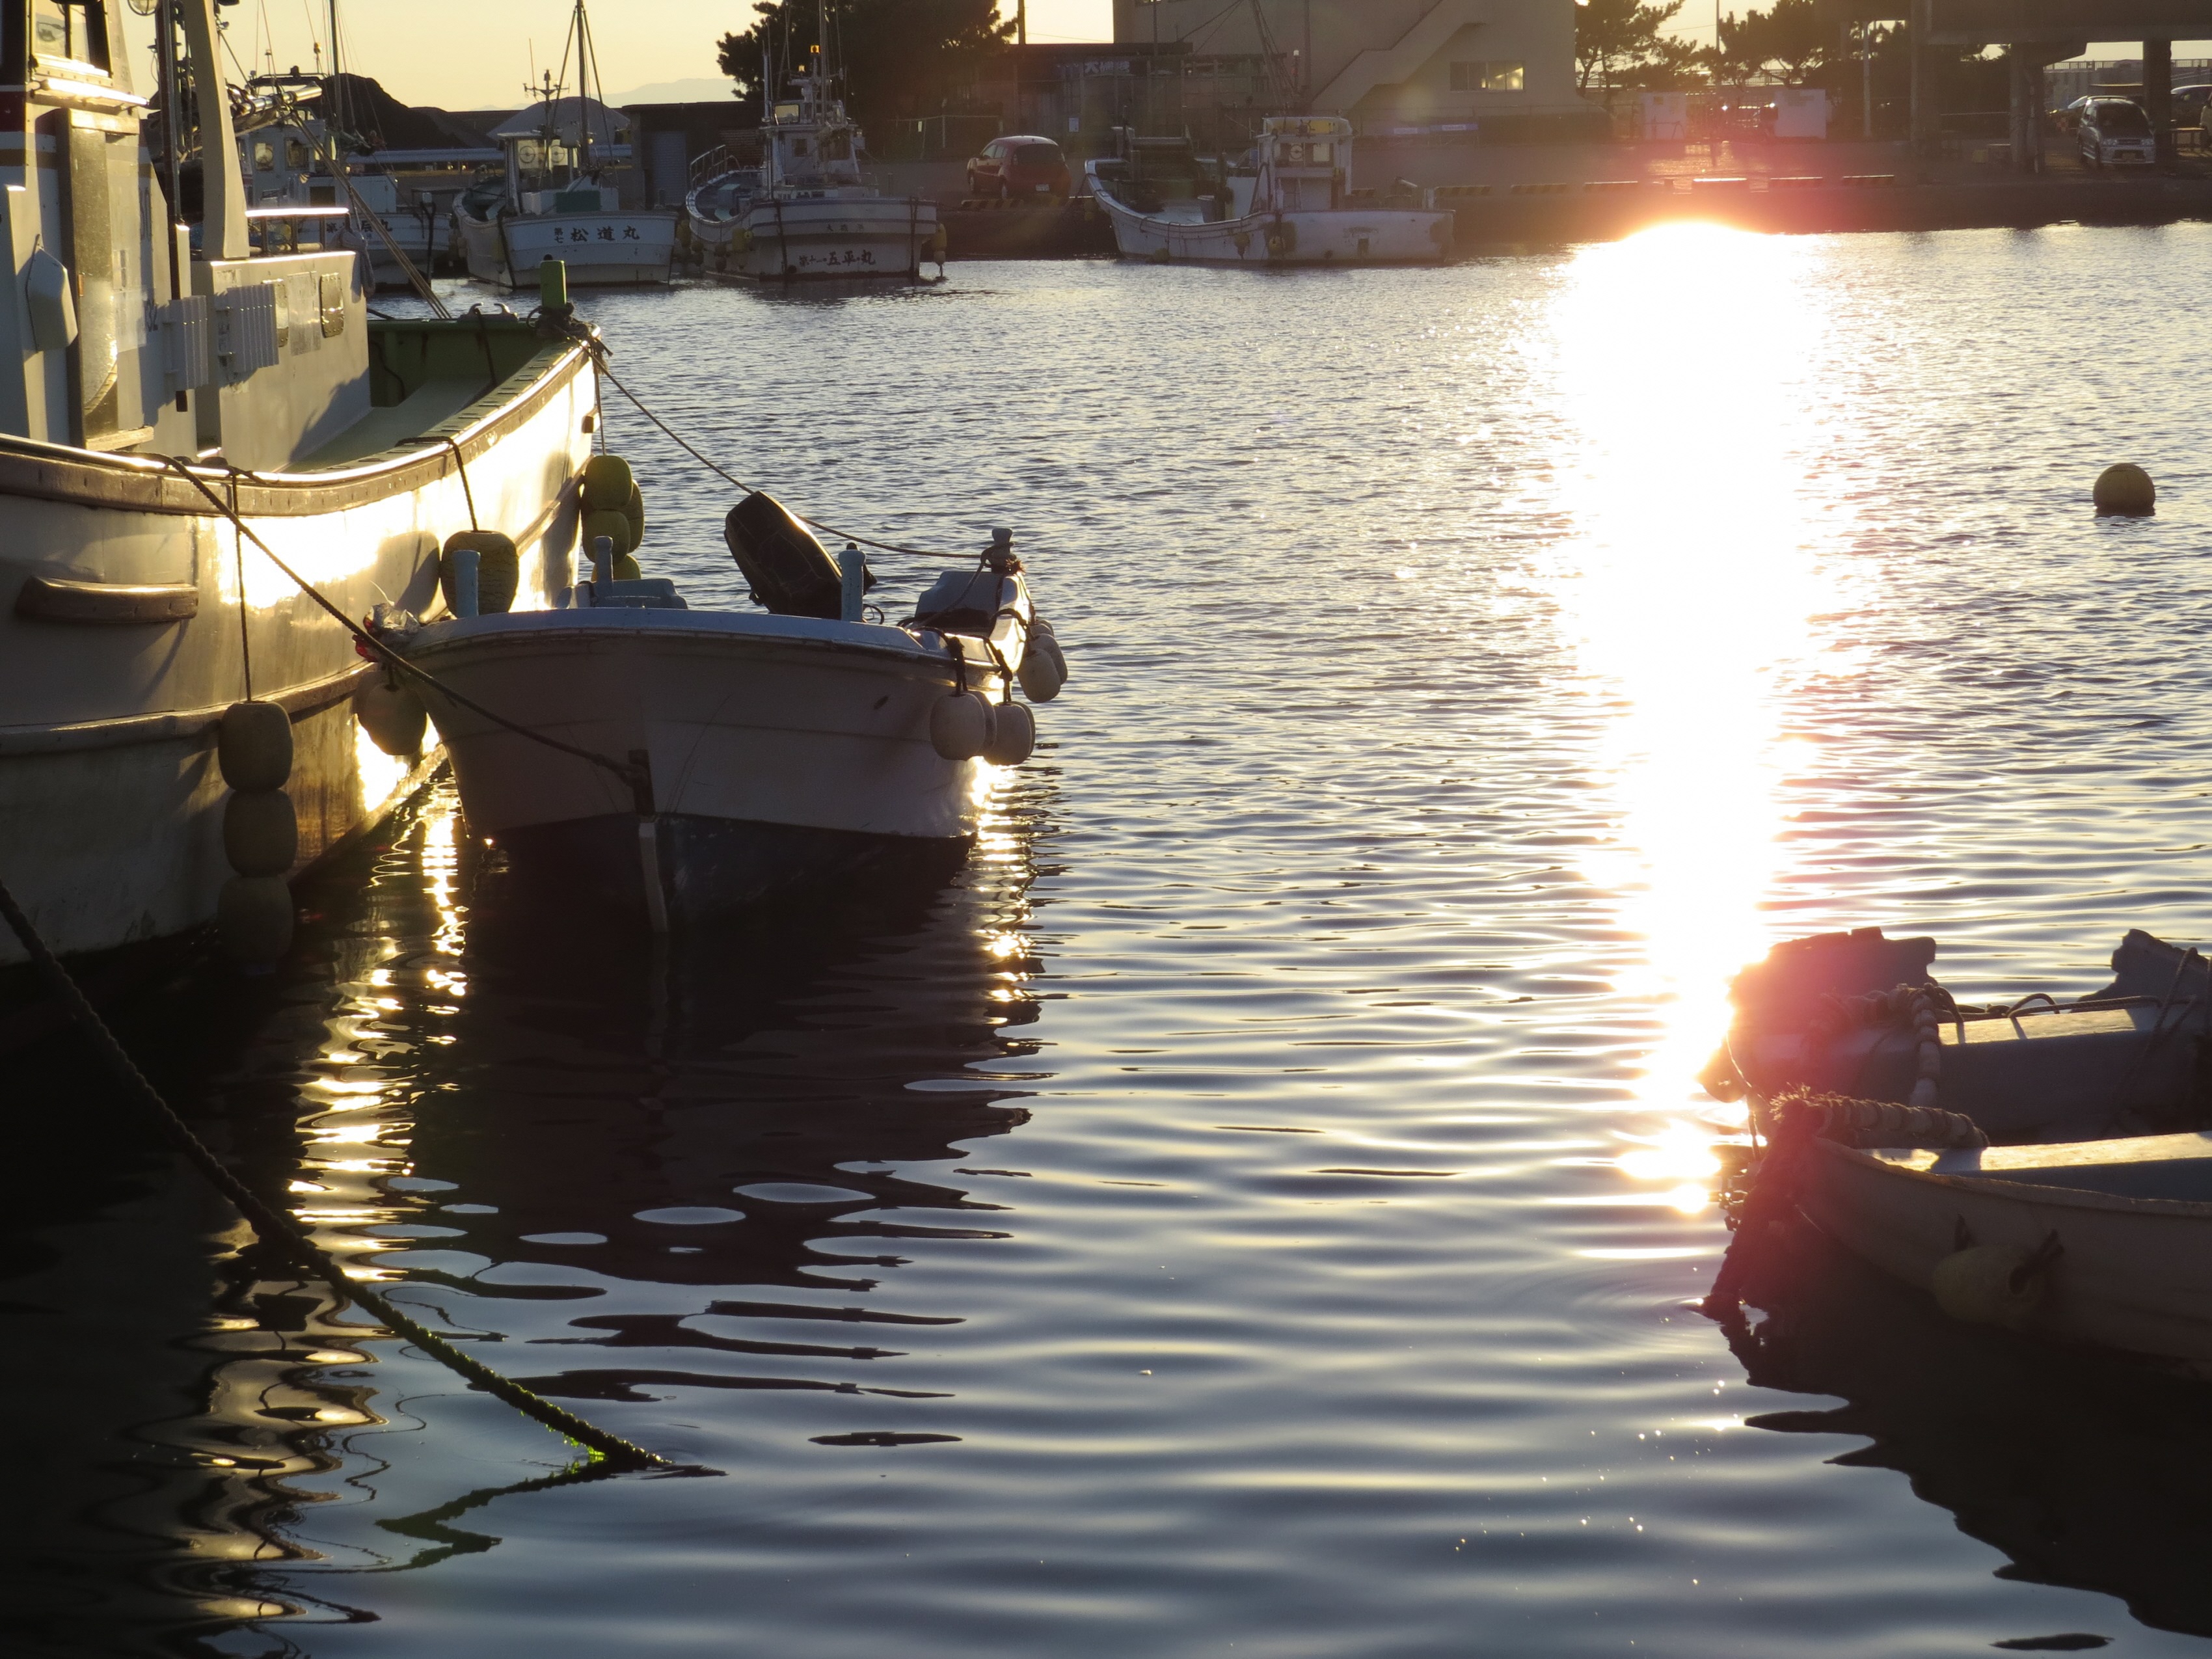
[1335,237]
[778,747]
[832,237]
[111,800]
[601,250]
[2134,1274]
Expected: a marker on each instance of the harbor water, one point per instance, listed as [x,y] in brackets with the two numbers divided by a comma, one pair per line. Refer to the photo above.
[1254,1207]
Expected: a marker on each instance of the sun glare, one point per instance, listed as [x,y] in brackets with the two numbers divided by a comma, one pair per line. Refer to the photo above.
[1689,588]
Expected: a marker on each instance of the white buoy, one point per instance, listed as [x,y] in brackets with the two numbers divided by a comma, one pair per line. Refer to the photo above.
[253,745]
[393,716]
[253,916]
[260,832]
[960,726]
[1013,735]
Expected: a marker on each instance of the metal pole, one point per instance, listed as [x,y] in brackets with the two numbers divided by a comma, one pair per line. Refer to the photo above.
[1866,80]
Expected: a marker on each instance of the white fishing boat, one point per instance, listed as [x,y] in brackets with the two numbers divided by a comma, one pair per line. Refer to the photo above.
[303,190]
[1293,206]
[812,213]
[715,758]
[164,401]
[2039,1164]
[557,200]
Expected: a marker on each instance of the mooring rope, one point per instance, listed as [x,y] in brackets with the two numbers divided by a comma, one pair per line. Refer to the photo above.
[640,781]
[283,1235]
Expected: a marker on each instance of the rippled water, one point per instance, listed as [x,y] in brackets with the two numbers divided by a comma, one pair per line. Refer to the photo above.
[1252,1208]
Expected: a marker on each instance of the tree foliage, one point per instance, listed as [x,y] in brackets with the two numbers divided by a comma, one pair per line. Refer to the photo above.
[1614,40]
[898,57]
[1787,40]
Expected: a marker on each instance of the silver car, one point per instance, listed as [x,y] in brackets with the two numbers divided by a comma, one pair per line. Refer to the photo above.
[2114,132]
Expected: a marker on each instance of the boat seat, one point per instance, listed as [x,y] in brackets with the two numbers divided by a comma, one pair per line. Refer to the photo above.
[2142,1166]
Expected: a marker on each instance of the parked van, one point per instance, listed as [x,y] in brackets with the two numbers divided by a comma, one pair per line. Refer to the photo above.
[2114,132]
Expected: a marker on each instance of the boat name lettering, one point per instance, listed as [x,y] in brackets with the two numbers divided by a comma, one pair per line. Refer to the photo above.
[585,234]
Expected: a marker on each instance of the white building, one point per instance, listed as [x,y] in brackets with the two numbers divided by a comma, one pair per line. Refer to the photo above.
[1387,63]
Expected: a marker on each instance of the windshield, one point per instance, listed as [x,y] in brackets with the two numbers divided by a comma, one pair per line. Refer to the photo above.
[2121,120]
[1037,156]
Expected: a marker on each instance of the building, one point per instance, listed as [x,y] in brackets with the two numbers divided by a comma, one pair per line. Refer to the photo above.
[1391,65]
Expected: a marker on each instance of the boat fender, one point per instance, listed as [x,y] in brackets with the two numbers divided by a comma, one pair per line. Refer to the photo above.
[1013,735]
[1282,238]
[392,715]
[2124,491]
[253,918]
[499,569]
[253,746]
[1050,641]
[634,510]
[260,832]
[1994,1284]
[1040,672]
[607,484]
[960,726]
[614,526]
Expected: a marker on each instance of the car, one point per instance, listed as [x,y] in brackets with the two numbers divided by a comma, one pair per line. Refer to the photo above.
[2189,104]
[2115,132]
[1020,165]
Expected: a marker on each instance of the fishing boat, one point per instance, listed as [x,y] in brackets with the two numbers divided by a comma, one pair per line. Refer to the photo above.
[1294,205]
[170,411]
[2039,1163]
[720,190]
[714,759]
[557,200]
[809,212]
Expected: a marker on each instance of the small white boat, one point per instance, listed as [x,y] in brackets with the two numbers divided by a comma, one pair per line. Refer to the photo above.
[811,214]
[1878,1096]
[1294,207]
[740,753]
[556,203]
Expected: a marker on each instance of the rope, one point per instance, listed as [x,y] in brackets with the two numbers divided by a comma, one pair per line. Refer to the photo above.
[731,478]
[460,465]
[245,633]
[639,779]
[283,1235]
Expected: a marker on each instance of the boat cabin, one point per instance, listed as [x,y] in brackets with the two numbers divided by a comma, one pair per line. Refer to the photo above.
[810,145]
[1158,175]
[556,152]
[1303,165]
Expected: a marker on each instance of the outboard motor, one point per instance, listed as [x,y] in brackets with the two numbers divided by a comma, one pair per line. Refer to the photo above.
[789,572]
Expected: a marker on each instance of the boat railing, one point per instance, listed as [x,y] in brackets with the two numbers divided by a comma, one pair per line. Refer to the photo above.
[703,168]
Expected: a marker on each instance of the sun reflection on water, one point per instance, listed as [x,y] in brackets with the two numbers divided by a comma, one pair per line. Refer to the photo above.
[1689,590]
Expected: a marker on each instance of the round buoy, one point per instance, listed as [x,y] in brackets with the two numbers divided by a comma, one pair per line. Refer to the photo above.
[1040,672]
[1013,735]
[2125,491]
[960,726]
[1989,1285]
[499,569]
[260,832]
[607,483]
[393,716]
[614,526]
[253,916]
[634,510]
[253,745]
[627,569]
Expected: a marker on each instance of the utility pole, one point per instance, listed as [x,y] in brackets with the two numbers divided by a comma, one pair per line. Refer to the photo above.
[1021,22]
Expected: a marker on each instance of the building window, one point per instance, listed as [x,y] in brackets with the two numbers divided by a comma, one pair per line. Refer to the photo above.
[1488,77]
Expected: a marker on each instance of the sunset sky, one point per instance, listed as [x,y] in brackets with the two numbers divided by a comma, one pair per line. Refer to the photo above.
[481,55]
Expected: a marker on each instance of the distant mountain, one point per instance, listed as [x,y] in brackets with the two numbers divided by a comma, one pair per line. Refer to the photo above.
[699,89]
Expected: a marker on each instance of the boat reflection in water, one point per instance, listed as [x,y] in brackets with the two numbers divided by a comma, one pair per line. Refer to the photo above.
[2087,1470]
[561,1140]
